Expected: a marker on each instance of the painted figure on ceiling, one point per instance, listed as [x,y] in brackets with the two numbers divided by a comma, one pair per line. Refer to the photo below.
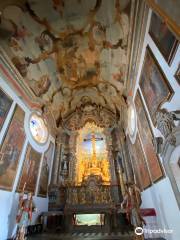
[56,46]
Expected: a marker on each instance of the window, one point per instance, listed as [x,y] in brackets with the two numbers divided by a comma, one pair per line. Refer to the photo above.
[131,120]
[38,128]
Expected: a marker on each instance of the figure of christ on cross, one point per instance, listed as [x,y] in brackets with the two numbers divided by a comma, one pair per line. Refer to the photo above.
[93,139]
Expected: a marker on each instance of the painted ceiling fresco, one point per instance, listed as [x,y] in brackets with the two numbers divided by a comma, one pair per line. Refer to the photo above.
[69,49]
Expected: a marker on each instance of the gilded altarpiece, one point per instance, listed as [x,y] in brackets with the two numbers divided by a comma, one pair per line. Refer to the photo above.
[92,154]
[92,168]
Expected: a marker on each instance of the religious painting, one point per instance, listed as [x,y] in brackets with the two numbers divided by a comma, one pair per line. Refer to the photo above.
[137,176]
[45,171]
[30,170]
[147,137]
[177,75]
[155,87]
[163,38]
[10,150]
[141,163]
[5,105]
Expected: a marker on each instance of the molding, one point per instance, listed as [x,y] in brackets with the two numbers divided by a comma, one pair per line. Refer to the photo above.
[14,79]
[140,23]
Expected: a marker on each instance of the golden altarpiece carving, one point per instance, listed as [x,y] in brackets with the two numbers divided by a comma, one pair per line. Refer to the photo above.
[92,178]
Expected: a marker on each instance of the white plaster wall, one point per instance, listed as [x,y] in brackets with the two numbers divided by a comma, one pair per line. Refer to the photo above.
[9,200]
[173,164]
[161,196]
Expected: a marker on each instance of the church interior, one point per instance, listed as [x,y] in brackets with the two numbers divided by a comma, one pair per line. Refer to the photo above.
[89,119]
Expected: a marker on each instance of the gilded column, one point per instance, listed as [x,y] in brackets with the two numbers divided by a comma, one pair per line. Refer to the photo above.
[72,158]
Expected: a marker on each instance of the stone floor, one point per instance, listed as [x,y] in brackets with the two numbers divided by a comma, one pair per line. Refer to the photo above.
[87,236]
[81,236]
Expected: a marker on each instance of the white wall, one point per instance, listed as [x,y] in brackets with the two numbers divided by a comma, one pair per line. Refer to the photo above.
[9,200]
[161,196]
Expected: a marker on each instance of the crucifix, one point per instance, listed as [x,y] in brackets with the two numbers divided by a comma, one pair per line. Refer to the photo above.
[93,139]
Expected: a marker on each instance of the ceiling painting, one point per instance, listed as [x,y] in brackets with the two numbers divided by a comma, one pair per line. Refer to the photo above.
[69,49]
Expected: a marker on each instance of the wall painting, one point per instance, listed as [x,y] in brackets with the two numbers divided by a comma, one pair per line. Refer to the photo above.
[154,85]
[5,105]
[147,137]
[30,170]
[141,171]
[10,149]
[45,171]
[163,38]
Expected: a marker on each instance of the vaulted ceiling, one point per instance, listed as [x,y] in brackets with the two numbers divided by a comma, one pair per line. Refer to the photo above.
[70,53]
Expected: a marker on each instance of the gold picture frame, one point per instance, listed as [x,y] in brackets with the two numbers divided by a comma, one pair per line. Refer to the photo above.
[164,39]
[154,85]
[146,135]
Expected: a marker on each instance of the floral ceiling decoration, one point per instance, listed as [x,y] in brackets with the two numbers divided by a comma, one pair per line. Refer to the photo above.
[68,50]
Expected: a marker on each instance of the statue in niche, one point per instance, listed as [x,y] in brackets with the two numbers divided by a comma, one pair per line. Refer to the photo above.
[25,209]
[65,165]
